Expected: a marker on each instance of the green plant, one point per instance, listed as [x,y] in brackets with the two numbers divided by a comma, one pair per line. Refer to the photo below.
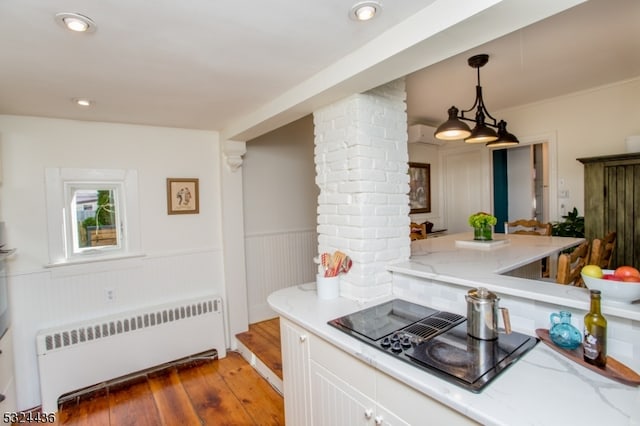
[90,221]
[104,212]
[572,226]
[482,219]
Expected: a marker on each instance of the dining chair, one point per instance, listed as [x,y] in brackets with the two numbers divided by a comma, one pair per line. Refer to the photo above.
[528,227]
[531,227]
[602,251]
[570,265]
[417,231]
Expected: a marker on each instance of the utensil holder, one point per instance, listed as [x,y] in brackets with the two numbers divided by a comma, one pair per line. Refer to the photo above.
[327,287]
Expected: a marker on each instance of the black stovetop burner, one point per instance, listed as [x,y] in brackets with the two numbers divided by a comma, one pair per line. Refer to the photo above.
[435,341]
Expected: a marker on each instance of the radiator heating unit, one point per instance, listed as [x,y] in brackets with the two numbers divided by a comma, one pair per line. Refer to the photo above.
[83,354]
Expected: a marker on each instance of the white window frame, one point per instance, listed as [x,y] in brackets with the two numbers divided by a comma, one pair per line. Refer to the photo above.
[60,186]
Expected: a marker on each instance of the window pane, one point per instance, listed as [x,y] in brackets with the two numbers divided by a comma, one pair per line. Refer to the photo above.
[95,218]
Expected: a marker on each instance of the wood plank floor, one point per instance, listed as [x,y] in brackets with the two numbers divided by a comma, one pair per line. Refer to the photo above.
[216,392]
[263,339]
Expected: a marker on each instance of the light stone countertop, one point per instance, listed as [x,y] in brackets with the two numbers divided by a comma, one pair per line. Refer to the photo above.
[444,260]
[541,388]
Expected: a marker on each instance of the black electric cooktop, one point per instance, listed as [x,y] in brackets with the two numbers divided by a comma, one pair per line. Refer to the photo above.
[435,341]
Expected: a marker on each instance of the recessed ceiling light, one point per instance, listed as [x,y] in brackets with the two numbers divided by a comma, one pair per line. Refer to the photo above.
[83,102]
[76,22]
[365,10]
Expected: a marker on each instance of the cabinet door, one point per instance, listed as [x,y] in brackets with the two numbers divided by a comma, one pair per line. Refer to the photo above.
[295,372]
[612,203]
[622,206]
[336,403]
[400,404]
[385,417]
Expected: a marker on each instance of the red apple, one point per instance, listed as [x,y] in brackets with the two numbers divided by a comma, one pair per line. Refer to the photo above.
[611,277]
[631,279]
[626,271]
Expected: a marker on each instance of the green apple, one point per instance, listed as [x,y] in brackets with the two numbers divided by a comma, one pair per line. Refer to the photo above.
[592,271]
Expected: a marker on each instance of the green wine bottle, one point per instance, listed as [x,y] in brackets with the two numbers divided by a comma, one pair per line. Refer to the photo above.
[595,333]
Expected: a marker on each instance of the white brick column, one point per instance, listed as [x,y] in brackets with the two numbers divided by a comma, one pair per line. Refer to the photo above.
[361,168]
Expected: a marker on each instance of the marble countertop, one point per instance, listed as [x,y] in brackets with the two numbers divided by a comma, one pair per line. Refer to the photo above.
[446,259]
[542,388]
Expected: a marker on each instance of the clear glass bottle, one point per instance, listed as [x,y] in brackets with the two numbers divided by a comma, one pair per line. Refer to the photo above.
[595,333]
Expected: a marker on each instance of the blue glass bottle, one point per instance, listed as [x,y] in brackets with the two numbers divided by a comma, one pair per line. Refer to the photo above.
[562,333]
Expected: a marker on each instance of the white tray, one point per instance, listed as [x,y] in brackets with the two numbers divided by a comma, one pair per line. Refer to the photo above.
[482,245]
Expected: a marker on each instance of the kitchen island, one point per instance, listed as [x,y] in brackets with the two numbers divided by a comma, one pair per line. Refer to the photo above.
[321,364]
[449,261]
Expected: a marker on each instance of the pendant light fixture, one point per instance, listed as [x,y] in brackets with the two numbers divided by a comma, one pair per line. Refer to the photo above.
[483,132]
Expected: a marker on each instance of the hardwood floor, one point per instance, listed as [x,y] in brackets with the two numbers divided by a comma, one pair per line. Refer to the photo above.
[216,392]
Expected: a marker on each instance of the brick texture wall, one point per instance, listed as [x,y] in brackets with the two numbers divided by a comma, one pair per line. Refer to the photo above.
[361,169]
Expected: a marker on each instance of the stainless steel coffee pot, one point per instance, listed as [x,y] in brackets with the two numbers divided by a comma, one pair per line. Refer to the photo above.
[482,314]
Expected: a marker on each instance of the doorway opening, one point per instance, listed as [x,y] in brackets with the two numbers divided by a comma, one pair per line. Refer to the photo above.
[521,183]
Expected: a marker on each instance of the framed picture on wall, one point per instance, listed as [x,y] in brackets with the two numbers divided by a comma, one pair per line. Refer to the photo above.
[420,187]
[183,196]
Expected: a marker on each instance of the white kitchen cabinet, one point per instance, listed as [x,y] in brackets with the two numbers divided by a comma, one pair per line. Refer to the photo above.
[325,386]
[7,382]
[385,417]
[295,372]
[414,407]
[336,402]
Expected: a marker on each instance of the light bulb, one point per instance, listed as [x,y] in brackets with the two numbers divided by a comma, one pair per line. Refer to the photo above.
[365,13]
[365,10]
[82,102]
[75,24]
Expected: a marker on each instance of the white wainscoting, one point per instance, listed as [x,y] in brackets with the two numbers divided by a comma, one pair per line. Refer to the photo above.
[274,261]
[53,297]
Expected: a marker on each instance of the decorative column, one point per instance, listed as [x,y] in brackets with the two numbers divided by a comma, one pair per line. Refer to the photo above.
[233,238]
[361,162]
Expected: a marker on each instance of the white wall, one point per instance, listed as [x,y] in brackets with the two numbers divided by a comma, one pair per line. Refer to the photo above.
[467,184]
[31,144]
[279,180]
[426,153]
[280,200]
[584,124]
[589,123]
[184,254]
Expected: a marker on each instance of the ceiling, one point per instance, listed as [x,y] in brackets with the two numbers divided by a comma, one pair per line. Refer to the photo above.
[593,44]
[202,64]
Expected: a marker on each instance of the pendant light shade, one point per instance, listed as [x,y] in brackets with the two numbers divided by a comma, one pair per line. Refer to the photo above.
[453,129]
[483,132]
[504,138]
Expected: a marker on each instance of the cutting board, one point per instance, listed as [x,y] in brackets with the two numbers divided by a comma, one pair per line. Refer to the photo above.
[614,369]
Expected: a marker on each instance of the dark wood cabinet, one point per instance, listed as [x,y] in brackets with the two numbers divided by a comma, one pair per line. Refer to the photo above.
[612,203]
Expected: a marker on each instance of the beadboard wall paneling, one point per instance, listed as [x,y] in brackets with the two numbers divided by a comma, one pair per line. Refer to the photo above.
[275,261]
[57,296]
